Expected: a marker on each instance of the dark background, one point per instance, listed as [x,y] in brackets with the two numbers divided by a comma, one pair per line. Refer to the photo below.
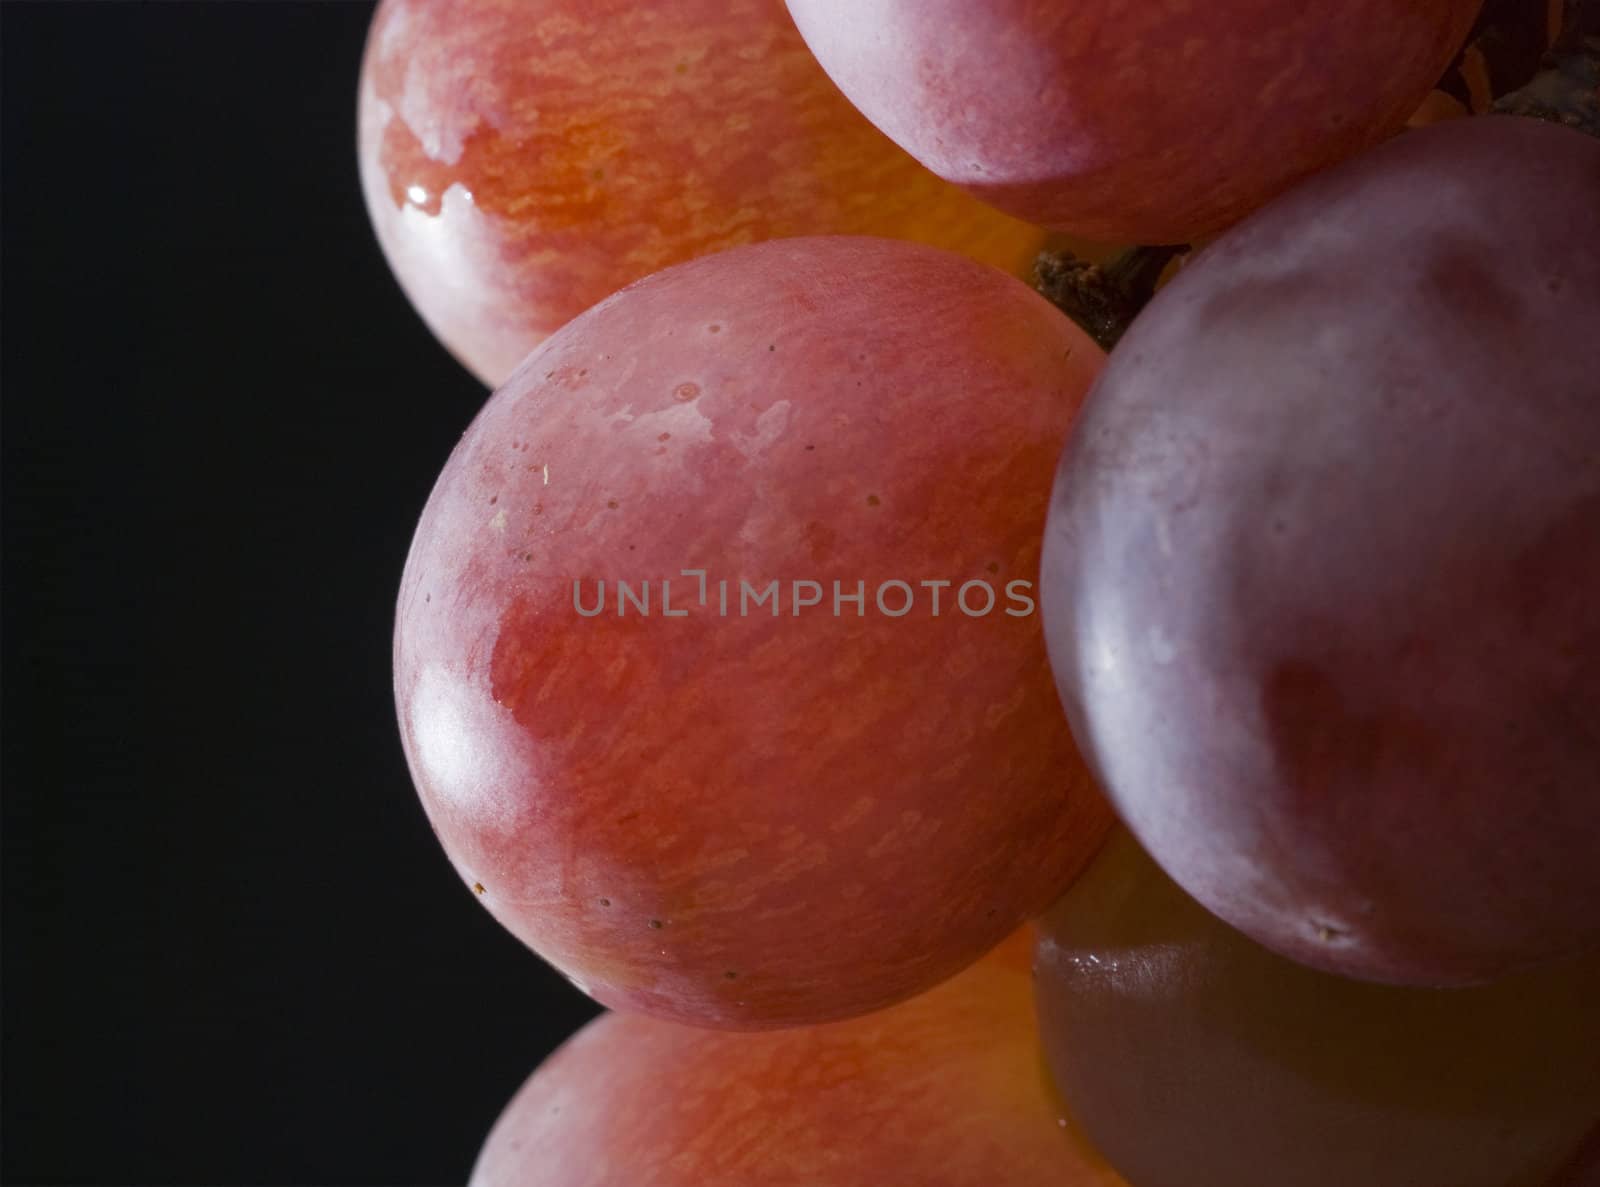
[233,951]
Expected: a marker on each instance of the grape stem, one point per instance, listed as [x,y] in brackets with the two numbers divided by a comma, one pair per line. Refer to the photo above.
[1567,88]
[1103,298]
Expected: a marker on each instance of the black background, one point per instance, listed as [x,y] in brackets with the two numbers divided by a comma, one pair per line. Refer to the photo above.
[233,951]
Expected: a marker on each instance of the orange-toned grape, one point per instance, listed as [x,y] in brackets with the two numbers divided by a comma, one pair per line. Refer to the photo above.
[943,1091]
[523,159]
[1435,108]
[1194,1057]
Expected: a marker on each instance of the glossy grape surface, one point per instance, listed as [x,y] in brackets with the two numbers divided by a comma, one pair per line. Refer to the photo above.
[942,1091]
[1321,581]
[1194,1057]
[523,159]
[1152,122]
[733,817]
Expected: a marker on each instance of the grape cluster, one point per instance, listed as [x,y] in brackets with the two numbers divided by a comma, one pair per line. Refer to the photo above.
[1311,562]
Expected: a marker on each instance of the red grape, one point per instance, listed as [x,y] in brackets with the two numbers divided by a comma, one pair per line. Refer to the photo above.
[1147,122]
[942,1091]
[1321,581]
[523,159]
[742,819]
[1193,1057]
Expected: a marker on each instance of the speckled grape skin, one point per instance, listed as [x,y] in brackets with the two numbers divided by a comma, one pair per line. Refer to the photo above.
[1152,122]
[943,1091]
[523,159]
[1194,1057]
[750,821]
[1321,582]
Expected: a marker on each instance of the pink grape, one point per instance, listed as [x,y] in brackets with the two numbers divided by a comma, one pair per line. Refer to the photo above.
[751,818]
[1153,123]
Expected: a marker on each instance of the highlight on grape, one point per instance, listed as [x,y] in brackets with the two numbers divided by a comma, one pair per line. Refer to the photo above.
[726,598]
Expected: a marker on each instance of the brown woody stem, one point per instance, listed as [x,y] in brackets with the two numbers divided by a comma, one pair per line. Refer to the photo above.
[1103,298]
[1567,88]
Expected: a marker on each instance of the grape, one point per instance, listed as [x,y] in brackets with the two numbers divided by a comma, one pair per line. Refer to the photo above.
[756,812]
[943,1091]
[1321,581]
[522,159]
[1193,1057]
[1437,106]
[1147,122]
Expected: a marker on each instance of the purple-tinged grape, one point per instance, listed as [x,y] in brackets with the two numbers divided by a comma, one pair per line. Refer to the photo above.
[1321,580]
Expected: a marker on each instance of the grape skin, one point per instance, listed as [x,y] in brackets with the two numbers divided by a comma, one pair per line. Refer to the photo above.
[1149,123]
[837,811]
[1321,579]
[942,1091]
[523,159]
